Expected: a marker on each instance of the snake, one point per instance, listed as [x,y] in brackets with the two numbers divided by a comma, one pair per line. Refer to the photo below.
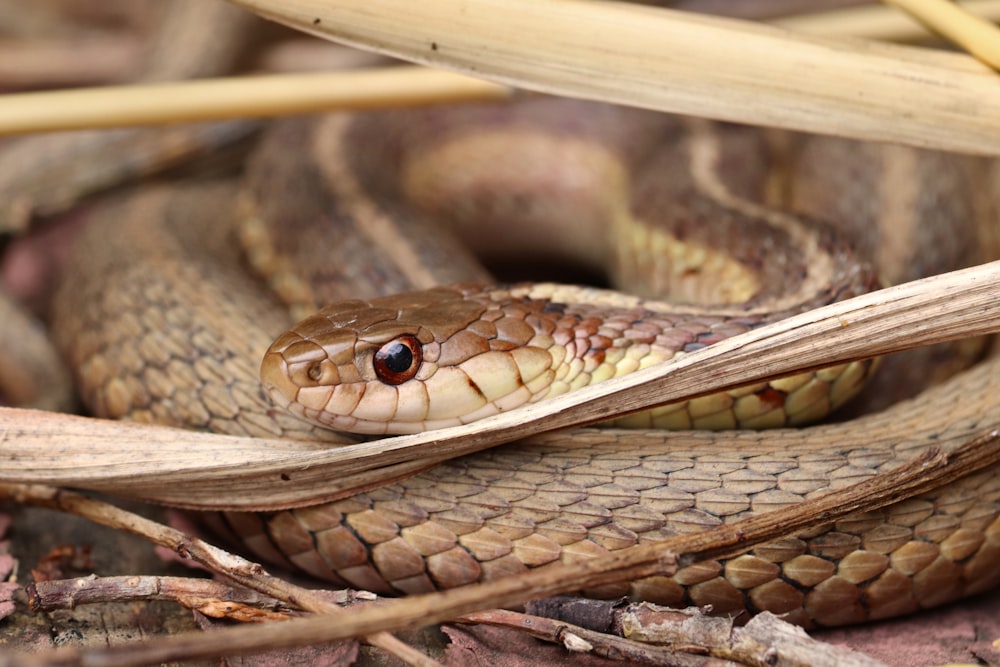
[163,318]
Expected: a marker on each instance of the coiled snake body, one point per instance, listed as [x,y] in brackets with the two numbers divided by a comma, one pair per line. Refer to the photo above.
[177,338]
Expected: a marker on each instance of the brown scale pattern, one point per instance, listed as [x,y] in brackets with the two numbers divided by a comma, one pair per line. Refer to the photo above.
[148,313]
[171,357]
[526,506]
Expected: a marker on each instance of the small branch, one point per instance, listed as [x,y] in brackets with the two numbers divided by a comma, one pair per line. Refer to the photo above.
[921,475]
[766,640]
[211,598]
[582,640]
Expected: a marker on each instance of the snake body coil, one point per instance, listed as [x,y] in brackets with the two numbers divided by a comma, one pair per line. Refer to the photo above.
[174,343]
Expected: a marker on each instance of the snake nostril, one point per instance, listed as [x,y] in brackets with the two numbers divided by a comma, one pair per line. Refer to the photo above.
[319,373]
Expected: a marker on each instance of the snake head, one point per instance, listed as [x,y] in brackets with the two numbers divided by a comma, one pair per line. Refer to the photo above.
[406,363]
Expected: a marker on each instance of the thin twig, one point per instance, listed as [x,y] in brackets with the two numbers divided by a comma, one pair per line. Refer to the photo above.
[648,633]
[209,597]
[582,640]
[765,640]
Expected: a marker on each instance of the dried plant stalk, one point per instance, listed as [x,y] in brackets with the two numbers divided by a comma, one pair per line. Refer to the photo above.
[237,97]
[675,61]
[973,33]
[877,22]
[734,70]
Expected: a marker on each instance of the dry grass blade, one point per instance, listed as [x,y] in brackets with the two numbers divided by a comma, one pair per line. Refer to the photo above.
[206,471]
[974,34]
[875,21]
[680,62]
[691,82]
[237,97]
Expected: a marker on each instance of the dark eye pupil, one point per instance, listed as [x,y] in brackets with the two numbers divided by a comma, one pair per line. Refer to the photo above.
[398,358]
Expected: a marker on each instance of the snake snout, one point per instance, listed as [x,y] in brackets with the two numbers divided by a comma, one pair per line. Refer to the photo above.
[274,370]
[293,365]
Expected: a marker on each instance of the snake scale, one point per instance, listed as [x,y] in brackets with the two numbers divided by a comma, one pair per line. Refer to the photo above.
[163,324]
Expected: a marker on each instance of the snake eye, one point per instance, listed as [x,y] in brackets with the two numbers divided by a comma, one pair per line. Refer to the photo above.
[398,360]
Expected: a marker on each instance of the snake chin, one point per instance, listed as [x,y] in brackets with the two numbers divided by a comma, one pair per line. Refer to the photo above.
[350,424]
